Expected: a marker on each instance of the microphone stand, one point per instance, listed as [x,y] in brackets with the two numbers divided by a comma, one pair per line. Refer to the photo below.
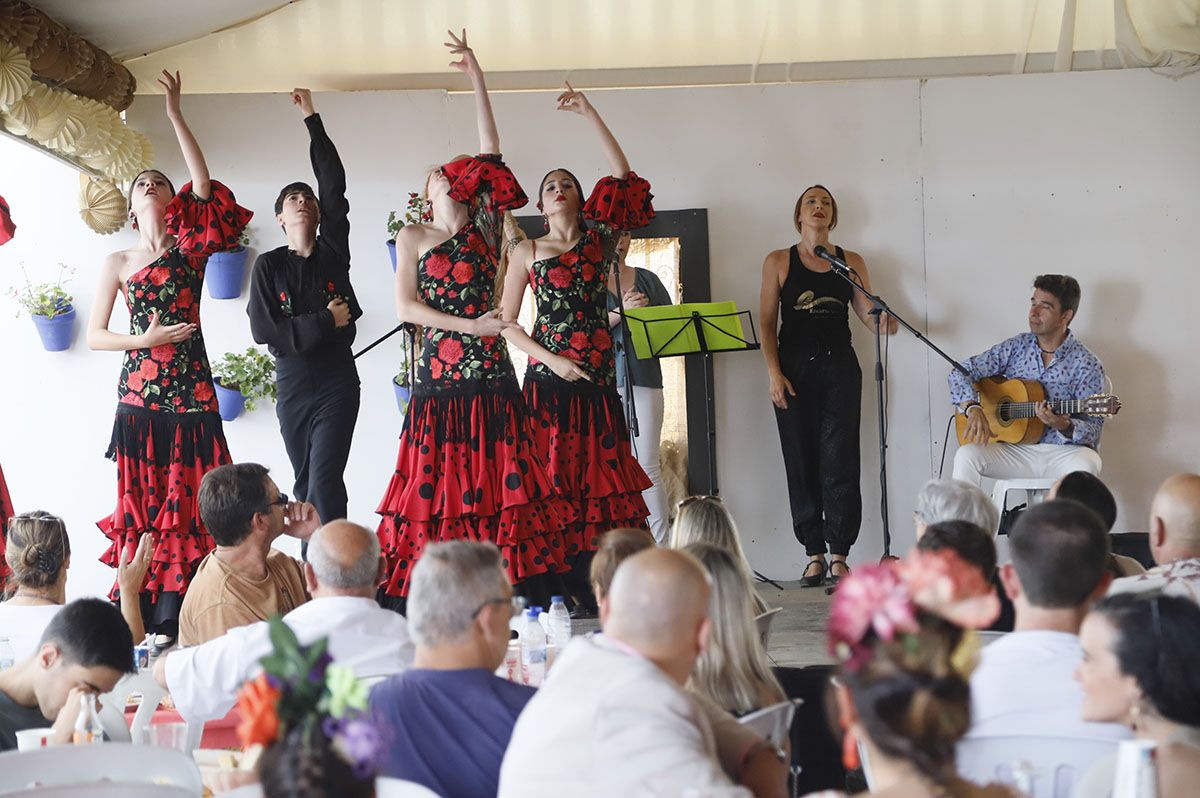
[878,308]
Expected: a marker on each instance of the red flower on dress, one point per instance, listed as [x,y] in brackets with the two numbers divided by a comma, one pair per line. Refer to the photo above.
[148,369]
[559,277]
[158,276]
[450,351]
[162,351]
[589,271]
[283,296]
[185,298]
[593,251]
[435,367]
[569,258]
[135,381]
[463,272]
[437,265]
[131,398]
[579,340]
[202,392]
[596,359]
[602,340]
[329,286]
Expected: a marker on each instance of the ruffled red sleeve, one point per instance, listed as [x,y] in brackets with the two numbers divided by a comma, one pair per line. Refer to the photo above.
[202,227]
[7,228]
[621,204]
[487,179]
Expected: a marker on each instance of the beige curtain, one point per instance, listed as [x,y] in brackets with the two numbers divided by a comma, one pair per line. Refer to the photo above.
[1163,34]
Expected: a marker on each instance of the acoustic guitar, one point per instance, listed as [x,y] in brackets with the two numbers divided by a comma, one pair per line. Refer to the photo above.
[1010,406]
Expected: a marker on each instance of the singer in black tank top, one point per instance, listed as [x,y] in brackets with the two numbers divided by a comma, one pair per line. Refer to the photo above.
[816,384]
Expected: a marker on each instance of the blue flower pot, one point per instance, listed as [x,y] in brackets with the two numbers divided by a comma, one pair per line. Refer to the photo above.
[391,245]
[403,395]
[57,332]
[225,272]
[230,403]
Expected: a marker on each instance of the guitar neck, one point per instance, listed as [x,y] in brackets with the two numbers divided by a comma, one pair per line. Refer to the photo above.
[1029,409]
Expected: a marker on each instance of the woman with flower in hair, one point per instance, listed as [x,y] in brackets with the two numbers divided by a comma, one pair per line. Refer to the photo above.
[570,383]
[467,467]
[167,434]
[901,636]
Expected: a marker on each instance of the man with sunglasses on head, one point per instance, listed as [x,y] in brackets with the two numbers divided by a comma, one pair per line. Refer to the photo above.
[244,580]
[303,307]
[450,717]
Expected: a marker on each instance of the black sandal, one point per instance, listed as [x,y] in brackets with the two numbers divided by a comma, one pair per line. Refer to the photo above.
[835,578]
[817,579]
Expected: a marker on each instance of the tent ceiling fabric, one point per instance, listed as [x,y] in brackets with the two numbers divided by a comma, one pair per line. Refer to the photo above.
[233,46]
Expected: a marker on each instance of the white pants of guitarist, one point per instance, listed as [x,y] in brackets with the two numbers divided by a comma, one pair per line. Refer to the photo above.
[649,405]
[974,461]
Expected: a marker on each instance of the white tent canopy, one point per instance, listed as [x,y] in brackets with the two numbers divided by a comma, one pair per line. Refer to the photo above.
[235,46]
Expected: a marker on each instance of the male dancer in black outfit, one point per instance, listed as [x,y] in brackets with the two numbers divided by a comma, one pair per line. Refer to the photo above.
[303,307]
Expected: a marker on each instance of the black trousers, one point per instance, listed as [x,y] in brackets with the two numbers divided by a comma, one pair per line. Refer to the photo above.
[317,407]
[819,435]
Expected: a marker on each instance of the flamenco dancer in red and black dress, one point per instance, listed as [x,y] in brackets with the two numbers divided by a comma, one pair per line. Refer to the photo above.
[167,432]
[570,385]
[467,467]
[7,229]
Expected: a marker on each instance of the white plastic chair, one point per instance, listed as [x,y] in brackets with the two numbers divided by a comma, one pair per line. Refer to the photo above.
[773,723]
[399,788]
[1053,765]
[98,768]
[112,706]
[764,624]
[986,638]
[1032,487]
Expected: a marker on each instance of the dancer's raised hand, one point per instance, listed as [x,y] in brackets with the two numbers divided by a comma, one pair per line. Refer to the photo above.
[458,46]
[571,100]
[302,99]
[171,84]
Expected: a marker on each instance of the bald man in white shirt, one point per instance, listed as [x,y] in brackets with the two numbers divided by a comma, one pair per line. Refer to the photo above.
[1174,542]
[344,566]
[613,718]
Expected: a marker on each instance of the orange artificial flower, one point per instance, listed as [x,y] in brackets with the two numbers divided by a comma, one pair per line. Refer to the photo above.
[257,702]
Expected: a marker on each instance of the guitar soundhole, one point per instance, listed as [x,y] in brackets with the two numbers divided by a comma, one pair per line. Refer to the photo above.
[1002,413]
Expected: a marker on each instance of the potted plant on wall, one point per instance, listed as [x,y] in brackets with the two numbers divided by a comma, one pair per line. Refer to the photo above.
[227,269]
[49,305]
[416,212]
[241,380]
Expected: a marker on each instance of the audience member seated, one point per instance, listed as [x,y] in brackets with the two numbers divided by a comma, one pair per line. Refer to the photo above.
[244,580]
[1024,683]
[901,688]
[732,670]
[704,519]
[1174,542]
[38,556]
[1087,489]
[448,719]
[954,500]
[85,651]
[613,717]
[616,546]
[1139,669]
[343,570]
[975,546]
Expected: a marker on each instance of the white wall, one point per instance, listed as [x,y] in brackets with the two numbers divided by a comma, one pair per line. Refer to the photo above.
[956,192]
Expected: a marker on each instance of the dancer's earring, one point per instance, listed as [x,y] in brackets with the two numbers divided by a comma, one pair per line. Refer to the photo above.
[850,757]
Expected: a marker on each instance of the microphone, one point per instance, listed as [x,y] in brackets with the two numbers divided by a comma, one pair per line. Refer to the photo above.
[840,266]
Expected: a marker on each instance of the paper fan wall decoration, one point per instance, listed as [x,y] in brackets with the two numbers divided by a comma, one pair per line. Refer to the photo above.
[16,75]
[101,205]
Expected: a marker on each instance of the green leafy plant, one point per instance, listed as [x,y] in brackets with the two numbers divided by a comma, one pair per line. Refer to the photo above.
[252,373]
[44,299]
[416,212]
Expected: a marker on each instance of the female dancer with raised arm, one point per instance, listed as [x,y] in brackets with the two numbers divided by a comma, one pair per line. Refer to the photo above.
[467,467]
[570,384]
[816,384]
[167,434]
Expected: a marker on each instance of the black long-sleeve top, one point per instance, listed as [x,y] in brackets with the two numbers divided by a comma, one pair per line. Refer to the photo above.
[289,294]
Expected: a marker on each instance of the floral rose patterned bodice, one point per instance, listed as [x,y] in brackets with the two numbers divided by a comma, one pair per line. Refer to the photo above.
[458,277]
[571,289]
[572,306]
[175,377]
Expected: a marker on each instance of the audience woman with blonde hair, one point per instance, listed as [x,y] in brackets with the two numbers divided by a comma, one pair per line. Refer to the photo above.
[901,687]
[733,670]
[704,519]
[38,556]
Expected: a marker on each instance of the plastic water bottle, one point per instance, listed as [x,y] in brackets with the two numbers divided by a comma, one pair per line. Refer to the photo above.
[8,657]
[533,650]
[87,725]
[560,624]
